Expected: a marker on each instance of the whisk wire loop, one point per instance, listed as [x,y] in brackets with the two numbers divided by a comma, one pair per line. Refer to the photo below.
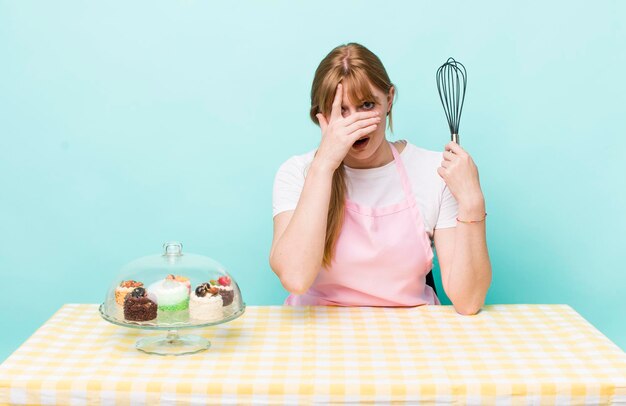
[451,85]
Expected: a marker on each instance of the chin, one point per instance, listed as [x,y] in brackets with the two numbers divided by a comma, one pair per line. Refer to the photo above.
[361,155]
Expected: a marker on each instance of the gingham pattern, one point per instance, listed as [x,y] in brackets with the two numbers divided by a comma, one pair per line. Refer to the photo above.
[507,354]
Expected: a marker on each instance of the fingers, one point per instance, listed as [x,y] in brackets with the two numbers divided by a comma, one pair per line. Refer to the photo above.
[322,120]
[363,115]
[352,118]
[336,110]
[362,123]
[448,156]
[455,148]
[363,131]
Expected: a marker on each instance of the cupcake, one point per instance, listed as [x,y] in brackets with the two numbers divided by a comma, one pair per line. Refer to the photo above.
[206,303]
[139,307]
[182,279]
[124,288]
[226,291]
[171,295]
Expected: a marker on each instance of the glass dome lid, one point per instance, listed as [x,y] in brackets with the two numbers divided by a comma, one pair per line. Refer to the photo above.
[172,290]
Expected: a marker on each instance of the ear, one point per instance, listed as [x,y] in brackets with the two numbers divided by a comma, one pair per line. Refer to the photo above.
[392,92]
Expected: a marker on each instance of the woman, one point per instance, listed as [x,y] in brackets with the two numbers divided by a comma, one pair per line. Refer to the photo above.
[354,221]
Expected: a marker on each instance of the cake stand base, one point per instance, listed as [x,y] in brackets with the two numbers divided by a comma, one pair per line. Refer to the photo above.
[173,344]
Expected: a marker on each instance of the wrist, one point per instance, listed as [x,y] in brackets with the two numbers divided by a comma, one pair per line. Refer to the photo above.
[472,208]
[321,167]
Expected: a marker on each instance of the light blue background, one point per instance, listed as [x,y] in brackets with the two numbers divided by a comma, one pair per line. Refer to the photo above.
[126,125]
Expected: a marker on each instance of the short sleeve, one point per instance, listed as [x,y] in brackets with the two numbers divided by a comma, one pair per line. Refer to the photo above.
[288,184]
[448,211]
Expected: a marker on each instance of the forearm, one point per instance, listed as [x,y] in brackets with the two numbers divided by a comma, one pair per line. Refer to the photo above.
[297,257]
[470,272]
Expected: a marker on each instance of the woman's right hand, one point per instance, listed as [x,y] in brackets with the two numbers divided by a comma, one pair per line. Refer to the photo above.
[339,133]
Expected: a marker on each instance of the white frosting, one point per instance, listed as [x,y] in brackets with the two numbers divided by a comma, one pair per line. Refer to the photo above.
[185,282]
[169,292]
[207,308]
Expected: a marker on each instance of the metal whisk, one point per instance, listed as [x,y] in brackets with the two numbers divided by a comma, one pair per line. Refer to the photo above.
[451,83]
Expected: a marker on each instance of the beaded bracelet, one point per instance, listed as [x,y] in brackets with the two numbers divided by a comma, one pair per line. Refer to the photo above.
[472,221]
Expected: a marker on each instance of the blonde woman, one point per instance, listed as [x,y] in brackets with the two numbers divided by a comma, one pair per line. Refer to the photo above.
[356,219]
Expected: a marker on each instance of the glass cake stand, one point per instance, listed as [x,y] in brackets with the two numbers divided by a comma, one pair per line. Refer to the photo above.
[172,343]
[173,291]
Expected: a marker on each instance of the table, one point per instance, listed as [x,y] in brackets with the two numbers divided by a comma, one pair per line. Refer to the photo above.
[506,354]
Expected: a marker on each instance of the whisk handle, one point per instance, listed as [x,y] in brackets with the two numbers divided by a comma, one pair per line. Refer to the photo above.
[455,138]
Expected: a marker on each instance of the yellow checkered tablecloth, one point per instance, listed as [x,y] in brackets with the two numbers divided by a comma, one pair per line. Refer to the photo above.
[507,354]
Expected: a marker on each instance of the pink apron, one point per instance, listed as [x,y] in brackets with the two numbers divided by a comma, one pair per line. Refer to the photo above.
[382,257]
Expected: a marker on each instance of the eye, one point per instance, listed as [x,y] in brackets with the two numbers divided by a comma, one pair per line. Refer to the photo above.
[368,105]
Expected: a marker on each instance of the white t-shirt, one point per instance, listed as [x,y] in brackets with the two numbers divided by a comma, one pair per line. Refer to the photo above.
[379,186]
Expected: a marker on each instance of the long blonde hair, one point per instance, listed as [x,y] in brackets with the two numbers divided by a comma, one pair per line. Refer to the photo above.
[356,67]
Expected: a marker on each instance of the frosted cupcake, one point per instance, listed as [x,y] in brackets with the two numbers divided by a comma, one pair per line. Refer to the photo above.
[182,279]
[171,295]
[124,288]
[139,307]
[227,292]
[206,303]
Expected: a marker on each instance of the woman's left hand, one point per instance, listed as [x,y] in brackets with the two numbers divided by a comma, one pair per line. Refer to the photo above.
[461,175]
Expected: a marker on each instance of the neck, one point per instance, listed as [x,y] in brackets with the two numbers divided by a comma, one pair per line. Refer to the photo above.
[382,156]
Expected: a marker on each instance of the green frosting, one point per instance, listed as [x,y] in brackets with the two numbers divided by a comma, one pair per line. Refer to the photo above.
[184,305]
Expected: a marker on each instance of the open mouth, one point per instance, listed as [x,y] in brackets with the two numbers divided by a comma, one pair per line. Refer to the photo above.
[361,143]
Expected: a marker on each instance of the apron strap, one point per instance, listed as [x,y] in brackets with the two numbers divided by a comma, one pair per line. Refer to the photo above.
[404,178]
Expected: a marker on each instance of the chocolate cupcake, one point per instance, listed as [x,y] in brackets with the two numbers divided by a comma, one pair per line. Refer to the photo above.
[139,307]
[226,290]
